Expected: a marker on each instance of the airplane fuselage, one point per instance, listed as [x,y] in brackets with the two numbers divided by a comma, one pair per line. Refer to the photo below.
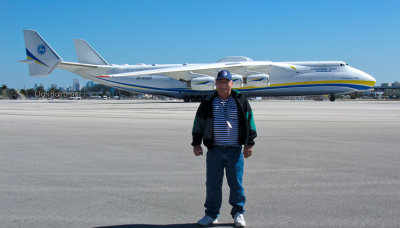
[307,78]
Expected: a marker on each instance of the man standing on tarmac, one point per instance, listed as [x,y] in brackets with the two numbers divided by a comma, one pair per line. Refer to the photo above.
[224,123]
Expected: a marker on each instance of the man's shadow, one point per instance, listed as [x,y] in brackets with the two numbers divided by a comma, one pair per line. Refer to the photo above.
[183,225]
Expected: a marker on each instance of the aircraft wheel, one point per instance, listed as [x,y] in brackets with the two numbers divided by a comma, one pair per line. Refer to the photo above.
[332,98]
[186,99]
[198,99]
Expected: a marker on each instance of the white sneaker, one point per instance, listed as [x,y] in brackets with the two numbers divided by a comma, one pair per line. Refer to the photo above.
[239,220]
[206,221]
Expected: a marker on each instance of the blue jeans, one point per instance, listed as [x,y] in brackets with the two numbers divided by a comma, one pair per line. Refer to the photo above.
[230,158]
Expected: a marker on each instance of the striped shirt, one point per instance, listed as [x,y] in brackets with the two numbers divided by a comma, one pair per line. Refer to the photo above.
[225,134]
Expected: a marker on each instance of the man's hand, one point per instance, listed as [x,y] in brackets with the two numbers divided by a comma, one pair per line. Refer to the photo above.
[198,150]
[247,151]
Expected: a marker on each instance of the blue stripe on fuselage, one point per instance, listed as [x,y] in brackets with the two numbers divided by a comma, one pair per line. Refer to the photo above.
[353,86]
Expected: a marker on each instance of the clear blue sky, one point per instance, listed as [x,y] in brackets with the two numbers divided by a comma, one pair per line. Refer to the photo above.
[363,33]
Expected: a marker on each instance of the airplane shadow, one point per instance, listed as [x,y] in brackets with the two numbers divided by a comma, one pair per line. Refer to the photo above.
[183,225]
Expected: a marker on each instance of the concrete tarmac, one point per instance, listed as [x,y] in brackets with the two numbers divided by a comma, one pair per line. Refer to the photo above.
[130,164]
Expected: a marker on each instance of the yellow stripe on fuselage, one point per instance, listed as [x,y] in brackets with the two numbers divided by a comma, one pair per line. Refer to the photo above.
[355,82]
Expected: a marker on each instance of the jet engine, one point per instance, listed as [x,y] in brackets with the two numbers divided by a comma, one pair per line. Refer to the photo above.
[203,83]
[237,81]
[258,80]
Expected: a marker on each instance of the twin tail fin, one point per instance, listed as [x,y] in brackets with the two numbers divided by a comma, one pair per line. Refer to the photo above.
[41,58]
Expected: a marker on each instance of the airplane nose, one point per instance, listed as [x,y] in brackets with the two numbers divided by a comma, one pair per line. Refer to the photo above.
[370,81]
[369,78]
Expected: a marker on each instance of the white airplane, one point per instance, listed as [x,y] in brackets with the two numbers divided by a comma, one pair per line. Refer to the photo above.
[192,82]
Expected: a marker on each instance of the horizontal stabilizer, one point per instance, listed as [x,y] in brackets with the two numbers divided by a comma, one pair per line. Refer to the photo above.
[86,54]
[27,61]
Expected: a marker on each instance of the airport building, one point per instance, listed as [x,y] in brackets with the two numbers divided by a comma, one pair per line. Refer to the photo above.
[76,87]
[387,91]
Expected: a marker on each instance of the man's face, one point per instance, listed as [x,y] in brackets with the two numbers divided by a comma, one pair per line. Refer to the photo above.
[224,87]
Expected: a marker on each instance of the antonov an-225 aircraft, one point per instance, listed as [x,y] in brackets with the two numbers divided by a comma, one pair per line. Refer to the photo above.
[192,82]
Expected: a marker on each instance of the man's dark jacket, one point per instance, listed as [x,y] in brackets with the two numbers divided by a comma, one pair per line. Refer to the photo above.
[203,123]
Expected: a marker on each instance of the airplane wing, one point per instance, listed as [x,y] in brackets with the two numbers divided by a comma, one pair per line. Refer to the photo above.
[187,73]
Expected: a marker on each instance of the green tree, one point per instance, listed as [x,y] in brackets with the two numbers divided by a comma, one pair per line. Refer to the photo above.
[54,92]
[355,95]
[30,92]
[12,93]
[39,90]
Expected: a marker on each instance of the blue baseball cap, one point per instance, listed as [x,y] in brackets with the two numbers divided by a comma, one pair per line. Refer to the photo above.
[224,74]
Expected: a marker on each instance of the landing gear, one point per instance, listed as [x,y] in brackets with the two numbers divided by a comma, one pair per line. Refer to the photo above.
[332,97]
[198,98]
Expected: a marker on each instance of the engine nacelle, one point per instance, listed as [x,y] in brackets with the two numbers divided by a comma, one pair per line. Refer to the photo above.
[258,80]
[237,81]
[203,83]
